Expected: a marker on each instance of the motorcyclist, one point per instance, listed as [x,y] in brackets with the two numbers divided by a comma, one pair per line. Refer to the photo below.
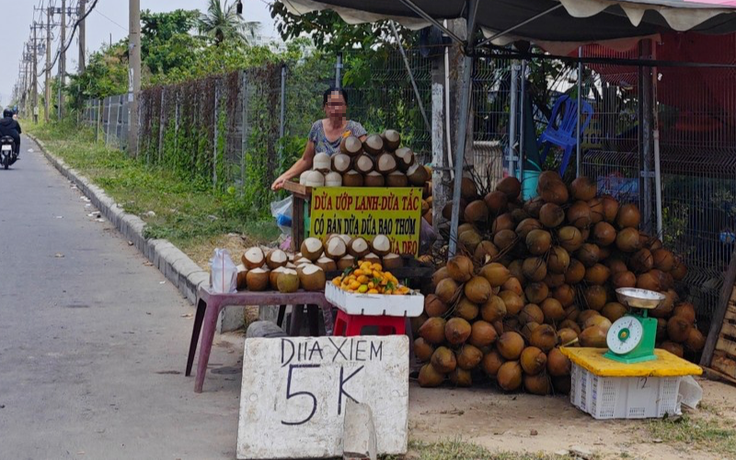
[10,127]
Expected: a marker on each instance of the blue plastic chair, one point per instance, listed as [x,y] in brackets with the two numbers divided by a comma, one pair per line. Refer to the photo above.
[562,134]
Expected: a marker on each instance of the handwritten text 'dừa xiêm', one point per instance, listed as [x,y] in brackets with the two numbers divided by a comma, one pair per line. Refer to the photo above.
[335,350]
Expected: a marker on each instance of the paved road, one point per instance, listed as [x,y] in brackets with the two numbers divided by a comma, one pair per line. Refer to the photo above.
[93,341]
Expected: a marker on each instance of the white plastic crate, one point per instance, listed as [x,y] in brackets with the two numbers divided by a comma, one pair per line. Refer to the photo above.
[624,397]
[375,304]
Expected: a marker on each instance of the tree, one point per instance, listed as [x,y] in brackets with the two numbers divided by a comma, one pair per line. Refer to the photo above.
[222,22]
[167,42]
[331,34]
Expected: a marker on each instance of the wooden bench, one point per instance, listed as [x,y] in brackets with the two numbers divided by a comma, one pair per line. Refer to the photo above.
[209,306]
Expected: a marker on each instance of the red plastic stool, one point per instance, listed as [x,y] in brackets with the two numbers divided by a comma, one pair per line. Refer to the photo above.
[348,325]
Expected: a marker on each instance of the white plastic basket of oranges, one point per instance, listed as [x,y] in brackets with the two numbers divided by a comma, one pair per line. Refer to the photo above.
[368,290]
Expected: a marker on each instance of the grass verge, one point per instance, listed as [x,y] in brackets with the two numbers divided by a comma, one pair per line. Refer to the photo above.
[192,216]
[712,434]
[459,450]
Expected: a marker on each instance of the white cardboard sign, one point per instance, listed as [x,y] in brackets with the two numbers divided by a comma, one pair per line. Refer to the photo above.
[294,392]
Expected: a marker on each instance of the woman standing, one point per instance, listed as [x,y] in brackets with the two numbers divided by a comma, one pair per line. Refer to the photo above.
[325,135]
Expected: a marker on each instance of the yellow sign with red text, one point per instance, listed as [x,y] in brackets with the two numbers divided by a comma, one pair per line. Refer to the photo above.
[367,212]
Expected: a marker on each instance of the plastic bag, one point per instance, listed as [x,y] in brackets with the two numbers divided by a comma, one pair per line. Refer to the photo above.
[281,211]
[427,236]
[224,272]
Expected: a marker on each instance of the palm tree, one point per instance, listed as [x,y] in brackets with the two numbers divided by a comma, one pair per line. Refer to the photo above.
[222,22]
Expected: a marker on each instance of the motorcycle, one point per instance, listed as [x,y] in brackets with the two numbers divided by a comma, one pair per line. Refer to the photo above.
[8,155]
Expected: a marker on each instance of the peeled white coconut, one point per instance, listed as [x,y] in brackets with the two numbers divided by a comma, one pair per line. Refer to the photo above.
[326,264]
[242,282]
[333,179]
[386,163]
[372,258]
[253,258]
[322,162]
[417,174]
[381,245]
[373,144]
[273,276]
[257,279]
[374,179]
[396,179]
[345,262]
[341,163]
[315,179]
[352,178]
[301,261]
[276,258]
[351,146]
[358,248]
[392,261]
[364,164]
[288,281]
[312,278]
[346,238]
[405,158]
[312,249]
[335,247]
[290,265]
[391,139]
[303,178]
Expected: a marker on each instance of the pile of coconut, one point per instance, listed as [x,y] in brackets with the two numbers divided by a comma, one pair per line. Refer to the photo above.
[379,161]
[537,275]
[274,269]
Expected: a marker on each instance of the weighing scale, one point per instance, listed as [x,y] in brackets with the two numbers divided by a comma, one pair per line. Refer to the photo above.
[631,338]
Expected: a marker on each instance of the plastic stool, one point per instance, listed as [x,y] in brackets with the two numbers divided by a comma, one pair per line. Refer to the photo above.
[348,325]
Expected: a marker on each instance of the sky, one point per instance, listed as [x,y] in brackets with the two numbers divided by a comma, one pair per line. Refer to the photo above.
[109,17]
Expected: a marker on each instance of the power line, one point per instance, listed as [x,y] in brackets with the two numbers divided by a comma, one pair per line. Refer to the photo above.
[109,19]
[71,37]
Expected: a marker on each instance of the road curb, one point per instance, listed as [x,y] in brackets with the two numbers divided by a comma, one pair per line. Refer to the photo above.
[174,264]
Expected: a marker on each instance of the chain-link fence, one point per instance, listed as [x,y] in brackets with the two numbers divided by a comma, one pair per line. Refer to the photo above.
[109,118]
[697,129]
[238,131]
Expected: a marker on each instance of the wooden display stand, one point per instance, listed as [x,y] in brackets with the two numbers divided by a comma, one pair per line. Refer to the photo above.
[719,354]
[299,214]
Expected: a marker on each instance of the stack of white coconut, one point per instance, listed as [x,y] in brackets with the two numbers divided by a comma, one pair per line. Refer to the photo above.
[377,162]
[274,269]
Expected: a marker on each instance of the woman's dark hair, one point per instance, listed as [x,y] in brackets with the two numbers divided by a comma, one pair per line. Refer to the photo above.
[331,90]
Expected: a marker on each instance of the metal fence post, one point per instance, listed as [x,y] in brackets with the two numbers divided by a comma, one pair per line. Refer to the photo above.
[161,125]
[119,129]
[514,116]
[338,69]
[176,122]
[97,120]
[216,135]
[522,122]
[578,134]
[282,125]
[106,121]
[244,129]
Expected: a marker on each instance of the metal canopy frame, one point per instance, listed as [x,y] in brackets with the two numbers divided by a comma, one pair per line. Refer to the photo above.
[469,47]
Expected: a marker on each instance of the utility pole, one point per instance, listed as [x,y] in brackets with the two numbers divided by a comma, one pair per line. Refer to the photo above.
[34,85]
[62,59]
[134,75]
[82,32]
[47,89]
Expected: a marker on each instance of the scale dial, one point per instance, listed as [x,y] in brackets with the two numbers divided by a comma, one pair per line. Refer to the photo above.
[624,335]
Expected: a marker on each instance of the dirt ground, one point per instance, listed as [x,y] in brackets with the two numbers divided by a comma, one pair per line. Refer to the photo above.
[524,423]
[531,424]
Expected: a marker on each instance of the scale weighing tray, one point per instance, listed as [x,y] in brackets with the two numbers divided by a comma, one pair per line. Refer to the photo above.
[666,364]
